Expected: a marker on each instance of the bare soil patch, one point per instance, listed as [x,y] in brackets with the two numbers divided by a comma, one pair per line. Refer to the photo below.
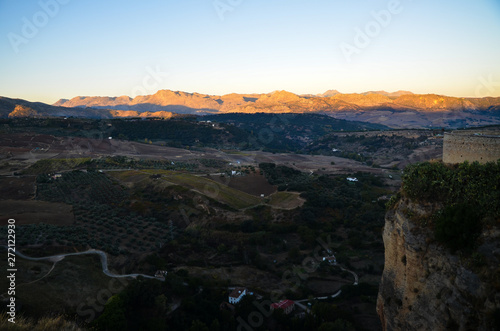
[17,188]
[32,212]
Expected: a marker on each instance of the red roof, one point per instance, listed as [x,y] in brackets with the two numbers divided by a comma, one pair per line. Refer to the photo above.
[283,304]
[236,293]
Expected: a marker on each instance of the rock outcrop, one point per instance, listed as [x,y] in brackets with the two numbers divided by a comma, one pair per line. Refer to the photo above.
[21,108]
[425,287]
[23,111]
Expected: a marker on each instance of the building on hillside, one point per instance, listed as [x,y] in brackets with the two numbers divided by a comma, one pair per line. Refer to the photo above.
[286,305]
[161,274]
[237,294]
[330,259]
[352,179]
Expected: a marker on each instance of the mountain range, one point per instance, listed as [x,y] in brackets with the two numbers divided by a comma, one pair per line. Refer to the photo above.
[281,101]
[401,109]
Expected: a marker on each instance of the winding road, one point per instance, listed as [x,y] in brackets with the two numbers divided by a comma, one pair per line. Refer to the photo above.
[304,307]
[102,255]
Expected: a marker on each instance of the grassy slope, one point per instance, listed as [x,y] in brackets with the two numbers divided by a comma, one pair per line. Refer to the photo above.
[286,200]
[73,280]
[230,196]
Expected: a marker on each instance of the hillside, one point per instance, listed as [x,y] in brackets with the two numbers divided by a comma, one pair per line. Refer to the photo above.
[283,101]
[22,108]
[399,109]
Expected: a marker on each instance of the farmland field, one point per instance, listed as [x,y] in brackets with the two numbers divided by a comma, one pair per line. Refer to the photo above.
[17,188]
[286,200]
[251,183]
[33,212]
[69,284]
[198,212]
[230,196]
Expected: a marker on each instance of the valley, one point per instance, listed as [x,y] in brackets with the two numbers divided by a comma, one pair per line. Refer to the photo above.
[213,210]
[249,165]
[212,202]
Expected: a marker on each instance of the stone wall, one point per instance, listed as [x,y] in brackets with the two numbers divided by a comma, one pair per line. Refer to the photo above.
[460,146]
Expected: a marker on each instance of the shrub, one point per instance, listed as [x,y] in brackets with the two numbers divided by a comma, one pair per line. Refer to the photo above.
[458,227]
[465,183]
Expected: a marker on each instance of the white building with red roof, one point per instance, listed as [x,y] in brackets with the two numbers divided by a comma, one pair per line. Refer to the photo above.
[237,294]
[286,305]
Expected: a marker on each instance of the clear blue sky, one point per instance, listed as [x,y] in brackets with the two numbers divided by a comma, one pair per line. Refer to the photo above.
[109,48]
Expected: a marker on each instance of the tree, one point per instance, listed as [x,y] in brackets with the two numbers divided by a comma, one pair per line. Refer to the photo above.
[113,317]
[293,253]
[197,325]
[458,227]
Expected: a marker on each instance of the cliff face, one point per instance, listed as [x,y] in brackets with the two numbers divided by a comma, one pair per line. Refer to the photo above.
[425,287]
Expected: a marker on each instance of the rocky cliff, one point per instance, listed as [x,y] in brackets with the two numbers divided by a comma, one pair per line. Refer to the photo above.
[425,287]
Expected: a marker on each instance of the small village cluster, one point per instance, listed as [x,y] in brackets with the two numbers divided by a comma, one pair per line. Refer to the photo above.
[286,305]
[238,293]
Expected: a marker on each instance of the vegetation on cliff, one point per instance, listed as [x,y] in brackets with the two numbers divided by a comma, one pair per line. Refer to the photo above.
[441,241]
[468,193]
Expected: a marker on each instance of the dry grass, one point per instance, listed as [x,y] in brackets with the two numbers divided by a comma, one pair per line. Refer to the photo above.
[210,188]
[17,188]
[286,200]
[44,324]
[34,211]
[71,283]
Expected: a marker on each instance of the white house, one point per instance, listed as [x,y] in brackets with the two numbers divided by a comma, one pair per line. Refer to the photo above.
[330,259]
[237,294]
[352,179]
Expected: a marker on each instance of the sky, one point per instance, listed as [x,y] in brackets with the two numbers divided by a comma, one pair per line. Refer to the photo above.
[52,49]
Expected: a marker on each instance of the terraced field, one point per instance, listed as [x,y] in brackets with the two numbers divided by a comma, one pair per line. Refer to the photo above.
[210,188]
